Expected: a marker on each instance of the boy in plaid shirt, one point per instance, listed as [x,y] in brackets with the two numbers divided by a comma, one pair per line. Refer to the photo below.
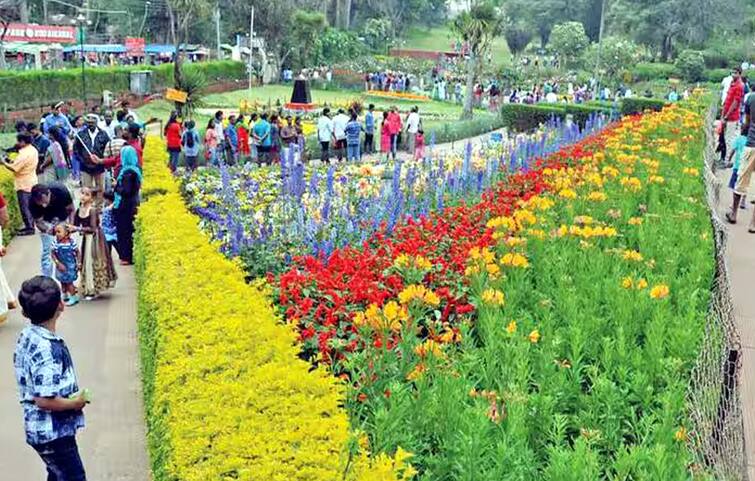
[47,385]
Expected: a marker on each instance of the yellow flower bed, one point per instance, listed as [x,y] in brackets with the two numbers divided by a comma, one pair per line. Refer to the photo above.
[397,95]
[226,395]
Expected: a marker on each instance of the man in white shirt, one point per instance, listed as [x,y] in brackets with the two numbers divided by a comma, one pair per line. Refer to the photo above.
[339,132]
[725,84]
[107,124]
[551,97]
[325,134]
[413,122]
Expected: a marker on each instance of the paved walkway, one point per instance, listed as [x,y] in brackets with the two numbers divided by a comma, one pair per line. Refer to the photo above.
[103,342]
[741,260]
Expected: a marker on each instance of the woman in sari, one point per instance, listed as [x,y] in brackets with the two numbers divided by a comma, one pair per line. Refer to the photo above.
[97,270]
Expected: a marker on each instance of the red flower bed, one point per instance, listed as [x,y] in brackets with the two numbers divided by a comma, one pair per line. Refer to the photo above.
[321,296]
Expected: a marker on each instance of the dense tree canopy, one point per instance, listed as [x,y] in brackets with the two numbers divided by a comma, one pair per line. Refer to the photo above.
[665,27]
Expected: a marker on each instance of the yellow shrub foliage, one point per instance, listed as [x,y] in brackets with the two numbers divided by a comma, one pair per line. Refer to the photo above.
[226,396]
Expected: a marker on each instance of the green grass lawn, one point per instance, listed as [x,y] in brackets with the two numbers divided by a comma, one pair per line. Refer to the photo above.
[282,94]
[443,39]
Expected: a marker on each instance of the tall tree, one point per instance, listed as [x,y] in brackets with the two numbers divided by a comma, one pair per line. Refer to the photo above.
[306,27]
[518,35]
[663,23]
[478,27]
[343,14]
[181,14]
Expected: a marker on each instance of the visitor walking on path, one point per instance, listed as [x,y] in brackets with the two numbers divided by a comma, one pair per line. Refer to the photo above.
[65,256]
[89,146]
[353,132]
[48,388]
[325,134]
[385,136]
[369,130]
[24,169]
[50,204]
[732,106]
[263,137]
[413,124]
[339,133]
[58,119]
[173,140]
[289,140]
[211,143]
[97,269]
[126,202]
[393,122]
[746,166]
[190,145]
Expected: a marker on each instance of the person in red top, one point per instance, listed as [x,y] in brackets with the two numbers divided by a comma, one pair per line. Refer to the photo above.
[243,134]
[132,138]
[732,107]
[393,122]
[173,140]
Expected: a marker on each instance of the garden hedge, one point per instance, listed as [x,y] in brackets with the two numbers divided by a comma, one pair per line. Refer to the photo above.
[645,71]
[524,117]
[39,88]
[639,105]
[9,192]
[226,395]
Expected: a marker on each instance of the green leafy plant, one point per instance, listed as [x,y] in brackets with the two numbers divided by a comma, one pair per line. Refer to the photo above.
[691,65]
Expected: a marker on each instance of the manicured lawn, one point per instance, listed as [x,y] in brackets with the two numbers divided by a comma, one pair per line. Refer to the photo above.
[281,94]
[443,39]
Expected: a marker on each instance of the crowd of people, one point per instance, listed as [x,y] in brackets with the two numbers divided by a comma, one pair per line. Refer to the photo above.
[258,138]
[78,183]
[389,81]
[97,156]
[341,134]
[736,137]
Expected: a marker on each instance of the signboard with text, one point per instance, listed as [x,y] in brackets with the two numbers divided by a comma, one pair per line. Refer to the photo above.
[25,32]
[176,95]
[135,46]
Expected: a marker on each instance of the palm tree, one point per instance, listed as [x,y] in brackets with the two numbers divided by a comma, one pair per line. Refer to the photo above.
[478,27]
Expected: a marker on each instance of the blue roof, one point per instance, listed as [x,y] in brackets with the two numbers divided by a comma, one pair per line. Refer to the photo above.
[159,48]
[105,48]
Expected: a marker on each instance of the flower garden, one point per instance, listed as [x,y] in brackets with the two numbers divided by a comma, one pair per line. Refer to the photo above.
[531,311]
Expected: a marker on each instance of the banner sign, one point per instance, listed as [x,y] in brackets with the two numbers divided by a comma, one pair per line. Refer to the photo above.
[25,32]
[135,46]
[176,95]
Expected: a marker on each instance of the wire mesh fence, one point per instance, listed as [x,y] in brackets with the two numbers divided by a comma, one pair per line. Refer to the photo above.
[714,397]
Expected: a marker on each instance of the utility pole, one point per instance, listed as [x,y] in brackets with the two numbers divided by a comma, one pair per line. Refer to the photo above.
[251,40]
[600,47]
[217,28]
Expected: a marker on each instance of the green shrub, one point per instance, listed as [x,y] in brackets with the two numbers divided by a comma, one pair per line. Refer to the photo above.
[39,88]
[645,71]
[691,65]
[523,117]
[463,129]
[716,74]
[581,113]
[639,105]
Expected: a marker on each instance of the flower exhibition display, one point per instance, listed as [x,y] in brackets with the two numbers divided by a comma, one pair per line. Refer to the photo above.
[525,311]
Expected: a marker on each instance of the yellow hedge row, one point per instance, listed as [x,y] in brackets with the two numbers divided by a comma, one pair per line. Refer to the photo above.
[9,192]
[226,396]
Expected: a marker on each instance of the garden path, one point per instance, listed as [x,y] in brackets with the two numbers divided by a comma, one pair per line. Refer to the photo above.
[741,260]
[457,146]
[103,342]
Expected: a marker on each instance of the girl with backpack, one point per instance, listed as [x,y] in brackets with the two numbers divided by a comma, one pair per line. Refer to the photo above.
[190,145]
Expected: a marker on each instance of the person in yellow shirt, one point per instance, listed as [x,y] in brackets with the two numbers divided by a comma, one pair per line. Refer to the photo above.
[24,168]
